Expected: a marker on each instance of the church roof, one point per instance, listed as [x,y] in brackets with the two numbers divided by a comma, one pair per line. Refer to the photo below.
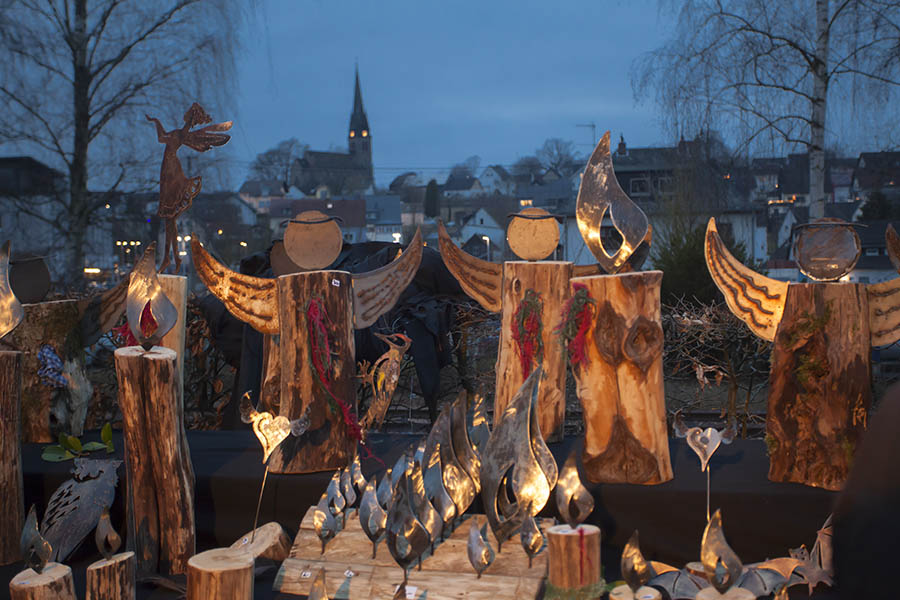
[358,120]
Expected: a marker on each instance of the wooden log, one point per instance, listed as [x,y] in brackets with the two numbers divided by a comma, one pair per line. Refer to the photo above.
[327,444]
[620,385]
[112,579]
[53,583]
[220,573]
[819,384]
[550,280]
[623,592]
[157,459]
[574,559]
[12,500]
[270,386]
[271,541]
[175,289]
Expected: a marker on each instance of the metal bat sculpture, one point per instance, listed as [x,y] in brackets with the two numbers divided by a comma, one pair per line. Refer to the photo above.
[819,391]
[314,313]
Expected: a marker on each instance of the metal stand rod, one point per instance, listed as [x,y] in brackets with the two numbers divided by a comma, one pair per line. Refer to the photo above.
[262,489]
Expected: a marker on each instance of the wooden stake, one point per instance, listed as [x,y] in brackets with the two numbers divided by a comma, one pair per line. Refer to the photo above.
[175,289]
[12,500]
[550,279]
[620,386]
[327,444]
[221,573]
[574,557]
[157,459]
[271,541]
[112,579]
[53,583]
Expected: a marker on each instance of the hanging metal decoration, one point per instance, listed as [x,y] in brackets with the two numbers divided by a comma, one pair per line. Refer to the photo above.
[704,443]
[516,461]
[573,501]
[11,311]
[107,538]
[382,378]
[77,504]
[150,313]
[478,549]
[176,190]
[372,517]
[36,551]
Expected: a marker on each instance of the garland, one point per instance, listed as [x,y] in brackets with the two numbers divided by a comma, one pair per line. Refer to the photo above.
[577,314]
[527,329]
[317,325]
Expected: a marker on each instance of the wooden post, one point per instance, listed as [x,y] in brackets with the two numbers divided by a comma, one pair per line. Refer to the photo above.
[112,579]
[327,444]
[270,386]
[271,541]
[157,460]
[819,384]
[621,384]
[550,279]
[12,500]
[221,573]
[175,289]
[53,583]
[573,561]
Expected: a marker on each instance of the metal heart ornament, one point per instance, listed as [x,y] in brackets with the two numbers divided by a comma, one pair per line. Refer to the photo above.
[270,431]
[704,443]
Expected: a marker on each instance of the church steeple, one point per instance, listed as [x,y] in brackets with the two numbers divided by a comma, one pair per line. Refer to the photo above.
[359,123]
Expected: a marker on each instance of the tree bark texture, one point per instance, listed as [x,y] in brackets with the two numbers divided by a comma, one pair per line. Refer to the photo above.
[574,557]
[620,384]
[327,444]
[550,281]
[819,384]
[53,583]
[12,504]
[175,289]
[48,410]
[112,579]
[157,459]
[221,573]
[270,386]
[271,541]
[818,113]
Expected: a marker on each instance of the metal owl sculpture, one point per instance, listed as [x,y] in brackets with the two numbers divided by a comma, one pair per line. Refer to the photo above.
[819,393]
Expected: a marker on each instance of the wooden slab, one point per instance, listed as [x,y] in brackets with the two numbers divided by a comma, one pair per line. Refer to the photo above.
[445,574]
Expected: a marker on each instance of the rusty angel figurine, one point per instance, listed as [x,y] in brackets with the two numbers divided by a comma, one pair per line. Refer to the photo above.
[177,190]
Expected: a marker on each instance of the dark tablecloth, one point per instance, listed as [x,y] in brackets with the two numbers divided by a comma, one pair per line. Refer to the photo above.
[762,519]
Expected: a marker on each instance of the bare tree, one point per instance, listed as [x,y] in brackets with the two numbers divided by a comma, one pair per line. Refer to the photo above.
[556,155]
[276,163]
[765,71]
[76,78]
[528,166]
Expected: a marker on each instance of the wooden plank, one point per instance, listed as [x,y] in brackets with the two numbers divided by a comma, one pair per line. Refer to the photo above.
[296,576]
[12,505]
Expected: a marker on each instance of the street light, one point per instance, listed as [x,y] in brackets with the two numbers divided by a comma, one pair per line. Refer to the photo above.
[487,242]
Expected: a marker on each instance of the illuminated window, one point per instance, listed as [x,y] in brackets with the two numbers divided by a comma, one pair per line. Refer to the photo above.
[640,186]
[525,202]
[366,134]
[352,133]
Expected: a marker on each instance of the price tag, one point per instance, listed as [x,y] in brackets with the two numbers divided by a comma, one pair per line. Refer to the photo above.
[305,574]
[349,573]
[335,283]
[410,591]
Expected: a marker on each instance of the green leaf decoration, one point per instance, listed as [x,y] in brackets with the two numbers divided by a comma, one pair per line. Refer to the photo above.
[74,444]
[56,454]
[92,446]
[106,434]
[110,448]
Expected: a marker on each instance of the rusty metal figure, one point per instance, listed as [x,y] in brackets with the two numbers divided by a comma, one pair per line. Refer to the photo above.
[176,190]
[383,377]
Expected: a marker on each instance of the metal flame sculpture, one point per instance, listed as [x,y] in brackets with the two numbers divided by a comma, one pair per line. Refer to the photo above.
[635,570]
[372,517]
[107,538]
[145,295]
[573,501]
[721,564]
[11,311]
[407,538]
[36,551]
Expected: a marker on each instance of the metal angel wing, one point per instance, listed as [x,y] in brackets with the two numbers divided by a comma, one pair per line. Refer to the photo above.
[11,311]
[376,292]
[205,138]
[884,312]
[480,279]
[892,241]
[600,192]
[253,300]
[77,505]
[143,290]
[755,299]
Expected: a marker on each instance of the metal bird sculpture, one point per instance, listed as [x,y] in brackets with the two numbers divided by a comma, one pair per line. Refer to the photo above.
[347,490]
[382,378]
[407,538]
[150,313]
[36,551]
[324,522]
[479,550]
[372,517]
[76,506]
[531,537]
[11,311]
[573,501]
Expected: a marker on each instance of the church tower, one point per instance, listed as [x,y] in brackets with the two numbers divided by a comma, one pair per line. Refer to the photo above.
[360,136]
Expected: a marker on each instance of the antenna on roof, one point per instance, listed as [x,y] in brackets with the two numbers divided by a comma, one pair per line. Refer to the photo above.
[593,127]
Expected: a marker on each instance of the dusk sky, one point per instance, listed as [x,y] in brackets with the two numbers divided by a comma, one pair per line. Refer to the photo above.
[442,82]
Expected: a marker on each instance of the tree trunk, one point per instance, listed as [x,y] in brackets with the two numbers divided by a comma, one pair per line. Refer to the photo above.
[157,459]
[818,114]
[12,507]
[53,583]
[112,579]
[175,289]
[574,559]
[620,385]
[327,444]
[270,386]
[819,385]
[221,573]
[78,216]
[550,280]
[271,541]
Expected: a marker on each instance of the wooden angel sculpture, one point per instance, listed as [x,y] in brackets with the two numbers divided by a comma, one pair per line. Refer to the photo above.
[176,190]
[819,384]
[314,312]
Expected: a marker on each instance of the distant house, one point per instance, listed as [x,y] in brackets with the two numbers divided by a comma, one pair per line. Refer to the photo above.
[490,222]
[462,185]
[351,210]
[495,179]
[782,182]
[553,196]
[877,172]
[384,218]
[259,194]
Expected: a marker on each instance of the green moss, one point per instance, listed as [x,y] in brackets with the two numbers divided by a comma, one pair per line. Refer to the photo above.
[771,444]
